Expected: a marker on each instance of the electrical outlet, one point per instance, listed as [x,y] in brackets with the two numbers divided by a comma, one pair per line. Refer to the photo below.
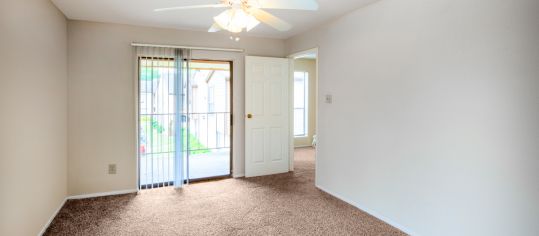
[112,169]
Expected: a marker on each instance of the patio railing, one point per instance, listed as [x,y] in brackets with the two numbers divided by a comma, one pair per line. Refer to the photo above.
[205,133]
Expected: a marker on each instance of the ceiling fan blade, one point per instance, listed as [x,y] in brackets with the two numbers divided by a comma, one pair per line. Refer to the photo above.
[214,28]
[309,5]
[270,20]
[191,7]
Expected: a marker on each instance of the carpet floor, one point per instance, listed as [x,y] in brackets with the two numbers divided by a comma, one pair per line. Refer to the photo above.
[284,204]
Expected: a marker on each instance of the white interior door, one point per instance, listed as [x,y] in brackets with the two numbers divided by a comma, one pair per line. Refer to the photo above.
[267,111]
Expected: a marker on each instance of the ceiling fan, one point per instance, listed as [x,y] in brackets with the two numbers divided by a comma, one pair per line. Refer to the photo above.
[247,14]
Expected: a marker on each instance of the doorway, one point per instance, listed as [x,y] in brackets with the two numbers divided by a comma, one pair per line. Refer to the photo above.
[304,73]
[208,116]
[204,135]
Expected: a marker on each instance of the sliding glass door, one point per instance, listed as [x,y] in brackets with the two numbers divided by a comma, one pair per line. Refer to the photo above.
[184,120]
[157,118]
[209,116]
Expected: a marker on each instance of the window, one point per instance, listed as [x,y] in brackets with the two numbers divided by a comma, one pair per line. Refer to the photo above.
[301,95]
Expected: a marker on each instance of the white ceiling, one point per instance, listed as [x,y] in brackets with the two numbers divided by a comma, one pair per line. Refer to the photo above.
[140,12]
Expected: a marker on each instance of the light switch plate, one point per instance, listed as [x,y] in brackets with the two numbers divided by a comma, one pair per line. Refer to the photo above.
[112,169]
[329,98]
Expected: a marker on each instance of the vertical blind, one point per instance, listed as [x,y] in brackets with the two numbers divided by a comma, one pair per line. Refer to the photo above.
[162,77]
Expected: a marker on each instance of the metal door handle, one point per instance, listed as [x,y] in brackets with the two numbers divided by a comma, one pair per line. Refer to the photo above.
[249,116]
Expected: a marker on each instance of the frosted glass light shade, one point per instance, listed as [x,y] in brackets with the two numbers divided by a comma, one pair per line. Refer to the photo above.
[235,20]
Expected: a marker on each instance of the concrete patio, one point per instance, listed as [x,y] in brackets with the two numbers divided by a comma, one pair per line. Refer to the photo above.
[215,163]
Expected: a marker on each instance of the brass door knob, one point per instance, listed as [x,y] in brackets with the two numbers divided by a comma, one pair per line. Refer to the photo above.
[249,116]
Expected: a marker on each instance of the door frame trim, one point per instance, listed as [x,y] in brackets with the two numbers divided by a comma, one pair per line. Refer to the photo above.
[294,56]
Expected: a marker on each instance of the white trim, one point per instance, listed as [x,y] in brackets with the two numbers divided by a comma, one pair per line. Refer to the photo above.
[91,195]
[370,212]
[186,47]
[291,114]
[303,146]
[238,175]
[83,196]
[298,55]
[46,226]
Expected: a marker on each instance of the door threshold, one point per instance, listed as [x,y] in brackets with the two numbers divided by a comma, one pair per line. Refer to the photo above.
[210,179]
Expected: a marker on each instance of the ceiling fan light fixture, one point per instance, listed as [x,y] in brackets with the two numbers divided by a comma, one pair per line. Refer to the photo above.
[247,14]
[235,20]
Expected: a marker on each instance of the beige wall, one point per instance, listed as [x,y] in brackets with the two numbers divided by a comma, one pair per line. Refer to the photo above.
[33,114]
[309,66]
[434,124]
[102,102]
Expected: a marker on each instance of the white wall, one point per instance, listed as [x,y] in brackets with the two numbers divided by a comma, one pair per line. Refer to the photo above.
[102,102]
[33,114]
[435,116]
[309,66]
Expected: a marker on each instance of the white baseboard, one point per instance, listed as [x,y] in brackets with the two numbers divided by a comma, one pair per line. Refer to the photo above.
[239,175]
[82,196]
[370,212]
[46,226]
[303,146]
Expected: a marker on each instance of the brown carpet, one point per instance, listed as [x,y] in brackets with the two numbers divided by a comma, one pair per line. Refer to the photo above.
[284,204]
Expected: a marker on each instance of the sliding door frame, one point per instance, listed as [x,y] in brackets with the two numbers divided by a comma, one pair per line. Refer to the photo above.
[137,118]
[137,123]
[231,125]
